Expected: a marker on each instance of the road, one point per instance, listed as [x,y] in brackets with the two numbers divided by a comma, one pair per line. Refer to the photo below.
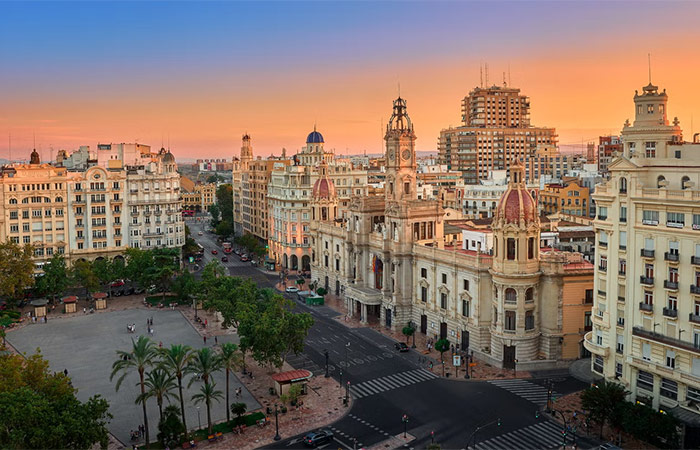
[386,384]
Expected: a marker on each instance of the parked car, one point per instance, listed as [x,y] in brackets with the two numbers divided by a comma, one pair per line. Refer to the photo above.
[117,283]
[317,438]
[200,233]
[224,259]
[138,290]
[244,259]
[214,252]
[401,346]
[292,289]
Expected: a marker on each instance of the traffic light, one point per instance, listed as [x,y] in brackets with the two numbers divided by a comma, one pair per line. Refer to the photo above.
[499,421]
[537,414]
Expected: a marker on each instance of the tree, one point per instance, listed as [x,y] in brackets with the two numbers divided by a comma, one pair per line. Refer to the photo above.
[294,330]
[207,394]
[442,345]
[176,359]
[159,384]
[602,401]
[224,229]
[204,363]
[170,427]
[16,269]
[138,266]
[184,286]
[40,410]
[102,269]
[215,214]
[224,200]
[142,356]
[408,332]
[83,275]
[230,359]
[54,281]
[321,291]
[238,409]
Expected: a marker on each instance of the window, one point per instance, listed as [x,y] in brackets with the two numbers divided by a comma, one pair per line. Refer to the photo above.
[603,263]
[650,109]
[530,248]
[602,212]
[623,214]
[465,284]
[618,370]
[443,300]
[511,295]
[670,359]
[598,364]
[693,394]
[620,348]
[669,389]
[510,248]
[623,240]
[465,308]
[424,272]
[444,278]
[510,321]
[650,150]
[645,381]
[648,298]
[623,185]
[646,351]
[622,267]
[650,217]
[530,295]
[675,220]
[589,296]
[424,294]
[529,320]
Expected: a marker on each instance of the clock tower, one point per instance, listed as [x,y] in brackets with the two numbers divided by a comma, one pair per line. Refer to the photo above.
[400,155]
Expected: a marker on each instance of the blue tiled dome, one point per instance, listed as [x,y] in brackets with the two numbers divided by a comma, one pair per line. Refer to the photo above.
[314,138]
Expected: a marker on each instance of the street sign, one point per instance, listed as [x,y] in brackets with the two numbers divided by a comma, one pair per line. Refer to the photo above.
[472,364]
[191,259]
[456,360]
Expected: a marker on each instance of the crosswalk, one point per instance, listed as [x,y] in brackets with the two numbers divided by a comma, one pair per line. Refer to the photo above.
[395,381]
[542,435]
[529,391]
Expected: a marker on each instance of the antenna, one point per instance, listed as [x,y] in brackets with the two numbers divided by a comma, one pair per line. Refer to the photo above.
[34,137]
[649,60]
[399,83]
[9,140]
[481,75]
[487,74]
[504,80]
[509,84]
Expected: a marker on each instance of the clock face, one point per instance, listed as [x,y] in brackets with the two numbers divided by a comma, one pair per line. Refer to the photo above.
[406,154]
[391,156]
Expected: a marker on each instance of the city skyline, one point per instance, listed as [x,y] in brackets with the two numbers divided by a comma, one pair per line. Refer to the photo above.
[200,76]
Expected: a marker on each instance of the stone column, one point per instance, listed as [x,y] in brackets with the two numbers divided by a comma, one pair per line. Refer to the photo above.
[363,315]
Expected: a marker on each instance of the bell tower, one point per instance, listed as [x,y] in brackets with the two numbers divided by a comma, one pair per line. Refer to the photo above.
[400,155]
[246,149]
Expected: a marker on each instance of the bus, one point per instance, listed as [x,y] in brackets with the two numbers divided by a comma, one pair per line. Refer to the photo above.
[227,247]
[187,213]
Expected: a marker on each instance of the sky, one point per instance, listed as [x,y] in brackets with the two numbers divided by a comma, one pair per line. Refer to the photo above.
[201,74]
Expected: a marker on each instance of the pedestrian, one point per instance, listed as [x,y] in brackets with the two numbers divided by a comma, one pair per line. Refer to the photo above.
[151,320]
[160,344]
[205,339]
[84,310]
[206,322]
[216,340]
[65,372]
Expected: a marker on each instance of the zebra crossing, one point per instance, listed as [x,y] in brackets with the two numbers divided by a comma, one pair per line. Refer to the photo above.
[395,381]
[525,389]
[542,435]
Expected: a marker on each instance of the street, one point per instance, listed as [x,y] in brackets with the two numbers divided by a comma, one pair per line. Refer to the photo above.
[387,384]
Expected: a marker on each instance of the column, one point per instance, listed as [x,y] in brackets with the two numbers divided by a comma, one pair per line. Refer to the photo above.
[363,315]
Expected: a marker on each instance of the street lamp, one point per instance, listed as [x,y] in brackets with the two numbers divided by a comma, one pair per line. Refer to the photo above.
[347,346]
[566,425]
[347,394]
[410,324]
[404,419]
[325,352]
[199,418]
[277,425]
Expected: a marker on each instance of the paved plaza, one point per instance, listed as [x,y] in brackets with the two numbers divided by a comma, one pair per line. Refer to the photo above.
[86,345]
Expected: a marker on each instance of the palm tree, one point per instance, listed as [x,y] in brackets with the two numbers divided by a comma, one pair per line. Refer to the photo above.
[203,364]
[230,359]
[141,356]
[176,359]
[160,385]
[207,393]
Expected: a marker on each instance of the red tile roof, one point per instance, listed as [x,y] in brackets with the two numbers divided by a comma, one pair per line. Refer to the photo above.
[292,375]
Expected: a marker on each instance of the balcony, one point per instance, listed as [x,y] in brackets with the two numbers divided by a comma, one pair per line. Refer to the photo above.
[646,307]
[649,281]
[668,256]
[593,347]
[622,273]
[695,318]
[695,260]
[602,293]
[621,299]
[694,289]
[647,253]
[603,268]
[602,244]
[621,322]
[657,337]
[79,202]
[673,285]
[668,312]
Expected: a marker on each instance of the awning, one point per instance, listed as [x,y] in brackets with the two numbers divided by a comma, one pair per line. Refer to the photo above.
[686,415]
[70,299]
[292,376]
[99,295]
[39,302]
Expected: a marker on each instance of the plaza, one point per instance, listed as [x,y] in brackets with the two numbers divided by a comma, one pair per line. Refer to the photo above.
[86,346]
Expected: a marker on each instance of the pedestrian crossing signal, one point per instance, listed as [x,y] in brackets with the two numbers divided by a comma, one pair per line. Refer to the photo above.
[499,422]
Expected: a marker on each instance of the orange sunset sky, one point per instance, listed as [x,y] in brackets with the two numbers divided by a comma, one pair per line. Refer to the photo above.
[203,74]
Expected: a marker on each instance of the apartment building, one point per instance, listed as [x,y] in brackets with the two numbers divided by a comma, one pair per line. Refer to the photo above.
[646,312]
[608,148]
[495,130]
[199,198]
[568,198]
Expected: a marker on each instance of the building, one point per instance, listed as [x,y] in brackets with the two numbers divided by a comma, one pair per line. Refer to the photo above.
[568,198]
[392,259]
[238,167]
[646,312]
[495,130]
[608,148]
[200,198]
[34,208]
[480,201]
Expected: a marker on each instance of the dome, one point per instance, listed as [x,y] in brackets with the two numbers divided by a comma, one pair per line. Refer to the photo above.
[323,189]
[168,157]
[314,137]
[516,202]
[34,158]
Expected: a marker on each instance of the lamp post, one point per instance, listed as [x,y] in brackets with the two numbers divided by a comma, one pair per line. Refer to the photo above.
[566,426]
[347,394]
[199,418]
[473,436]
[413,327]
[347,346]
[404,419]
[277,425]
[325,353]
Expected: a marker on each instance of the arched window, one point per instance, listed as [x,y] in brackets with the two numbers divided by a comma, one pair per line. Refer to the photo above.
[660,181]
[47,200]
[510,249]
[13,201]
[530,295]
[684,182]
[623,185]
[59,199]
[25,200]
[511,295]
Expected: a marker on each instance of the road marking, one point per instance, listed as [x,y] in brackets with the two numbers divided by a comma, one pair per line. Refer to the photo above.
[390,382]
[525,389]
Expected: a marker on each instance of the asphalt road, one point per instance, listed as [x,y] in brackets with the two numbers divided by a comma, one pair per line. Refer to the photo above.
[386,384]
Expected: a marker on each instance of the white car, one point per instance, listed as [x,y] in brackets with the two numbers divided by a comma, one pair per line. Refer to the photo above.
[292,290]
[200,233]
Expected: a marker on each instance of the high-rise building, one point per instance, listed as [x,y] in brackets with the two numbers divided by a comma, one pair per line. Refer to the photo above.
[495,131]
[608,148]
[646,314]
[568,198]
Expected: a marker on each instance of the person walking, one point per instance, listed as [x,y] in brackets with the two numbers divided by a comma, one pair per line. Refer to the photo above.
[216,340]
[205,339]
[65,372]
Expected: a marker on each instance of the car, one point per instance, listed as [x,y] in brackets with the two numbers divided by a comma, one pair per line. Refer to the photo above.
[200,233]
[292,289]
[401,346]
[138,290]
[215,252]
[317,438]
[609,446]
[244,259]
[117,283]
[224,259]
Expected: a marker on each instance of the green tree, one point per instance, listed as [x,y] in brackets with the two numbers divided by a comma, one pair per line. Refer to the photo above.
[170,427]
[442,345]
[224,229]
[321,291]
[159,385]
[238,409]
[139,266]
[102,269]
[294,330]
[184,286]
[224,200]
[40,410]
[204,363]
[54,281]
[83,275]
[176,359]
[141,356]
[230,359]
[408,332]
[603,402]
[16,269]
[215,214]
[207,394]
